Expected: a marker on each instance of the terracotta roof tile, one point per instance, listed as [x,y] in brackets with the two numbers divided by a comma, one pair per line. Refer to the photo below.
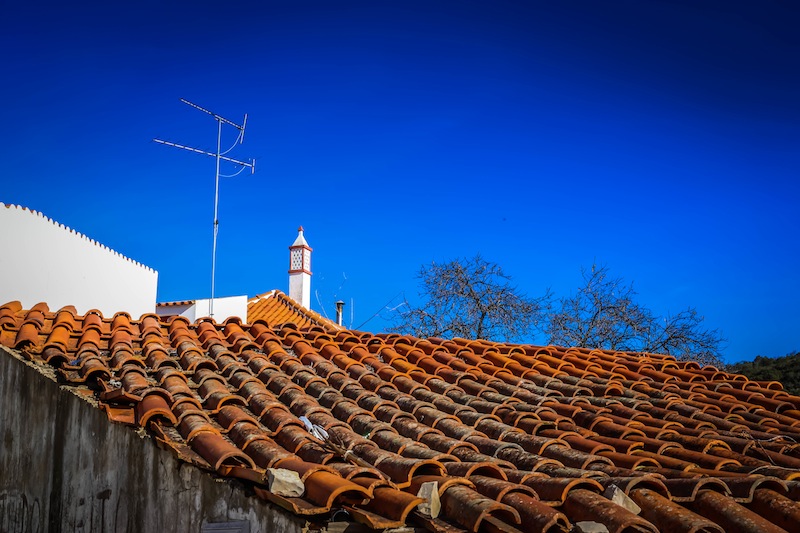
[275,308]
[518,437]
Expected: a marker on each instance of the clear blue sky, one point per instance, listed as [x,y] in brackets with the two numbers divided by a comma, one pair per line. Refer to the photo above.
[661,138]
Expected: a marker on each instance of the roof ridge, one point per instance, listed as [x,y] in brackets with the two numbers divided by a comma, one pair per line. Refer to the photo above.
[308,313]
[174,303]
[76,233]
[263,296]
[288,302]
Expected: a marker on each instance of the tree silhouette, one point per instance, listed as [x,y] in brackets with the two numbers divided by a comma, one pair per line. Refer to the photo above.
[474,299]
[604,314]
[469,298]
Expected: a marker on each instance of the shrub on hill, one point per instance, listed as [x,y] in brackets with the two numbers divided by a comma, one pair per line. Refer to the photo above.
[785,369]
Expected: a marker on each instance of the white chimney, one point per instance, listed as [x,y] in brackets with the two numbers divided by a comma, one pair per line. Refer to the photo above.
[300,270]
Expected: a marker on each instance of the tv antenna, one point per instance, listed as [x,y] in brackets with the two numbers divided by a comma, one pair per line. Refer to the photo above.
[220,156]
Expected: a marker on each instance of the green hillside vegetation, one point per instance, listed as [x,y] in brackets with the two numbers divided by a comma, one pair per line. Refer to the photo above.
[785,369]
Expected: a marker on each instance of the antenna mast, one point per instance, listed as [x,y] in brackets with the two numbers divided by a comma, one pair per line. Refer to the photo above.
[219,156]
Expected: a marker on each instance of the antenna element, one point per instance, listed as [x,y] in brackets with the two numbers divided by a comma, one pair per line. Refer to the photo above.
[219,157]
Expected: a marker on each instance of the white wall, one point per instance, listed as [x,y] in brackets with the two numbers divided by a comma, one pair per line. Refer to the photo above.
[223,308]
[181,309]
[43,261]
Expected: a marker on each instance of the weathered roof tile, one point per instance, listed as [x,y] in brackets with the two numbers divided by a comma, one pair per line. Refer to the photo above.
[518,437]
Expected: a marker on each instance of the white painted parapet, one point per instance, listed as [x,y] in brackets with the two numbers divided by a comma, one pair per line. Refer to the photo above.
[44,261]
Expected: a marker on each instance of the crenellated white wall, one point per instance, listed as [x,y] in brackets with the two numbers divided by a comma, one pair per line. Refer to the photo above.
[44,261]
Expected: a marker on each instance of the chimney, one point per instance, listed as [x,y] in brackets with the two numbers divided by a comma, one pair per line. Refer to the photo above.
[300,270]
[339,309]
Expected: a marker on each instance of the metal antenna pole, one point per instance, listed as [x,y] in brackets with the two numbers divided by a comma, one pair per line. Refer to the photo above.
[219,157]
[216,221]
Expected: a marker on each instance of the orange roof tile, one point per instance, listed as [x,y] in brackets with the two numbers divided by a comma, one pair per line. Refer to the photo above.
[275,308]
[518,437]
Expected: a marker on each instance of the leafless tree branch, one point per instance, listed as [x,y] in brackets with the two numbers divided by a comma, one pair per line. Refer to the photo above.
[469,298]
[473,298]
[604,314]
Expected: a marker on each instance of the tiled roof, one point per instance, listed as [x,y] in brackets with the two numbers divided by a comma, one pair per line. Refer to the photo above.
[518,437]
[274,308]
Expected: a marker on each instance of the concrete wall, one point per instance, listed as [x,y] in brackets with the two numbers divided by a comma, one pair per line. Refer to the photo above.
[65,467]
[44,261]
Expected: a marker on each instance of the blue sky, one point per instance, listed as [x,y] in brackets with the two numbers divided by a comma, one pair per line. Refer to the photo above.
[660,138]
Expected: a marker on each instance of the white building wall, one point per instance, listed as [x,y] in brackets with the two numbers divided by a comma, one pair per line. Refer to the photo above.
[43,261]
[186,310]
[224,308]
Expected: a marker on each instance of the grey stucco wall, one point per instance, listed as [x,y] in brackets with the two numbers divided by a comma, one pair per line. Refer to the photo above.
[65,467]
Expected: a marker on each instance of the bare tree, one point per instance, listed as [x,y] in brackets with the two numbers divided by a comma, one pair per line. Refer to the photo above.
[469,298]
[473,298]
[684,336]
[604,314]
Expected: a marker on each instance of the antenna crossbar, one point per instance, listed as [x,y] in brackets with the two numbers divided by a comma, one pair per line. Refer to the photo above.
[251,165]
[219,157]
[218,117]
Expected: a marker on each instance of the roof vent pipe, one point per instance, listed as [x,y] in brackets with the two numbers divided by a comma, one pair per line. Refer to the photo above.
[339,309]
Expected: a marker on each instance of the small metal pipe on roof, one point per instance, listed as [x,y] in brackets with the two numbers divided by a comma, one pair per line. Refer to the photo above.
[339,311]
